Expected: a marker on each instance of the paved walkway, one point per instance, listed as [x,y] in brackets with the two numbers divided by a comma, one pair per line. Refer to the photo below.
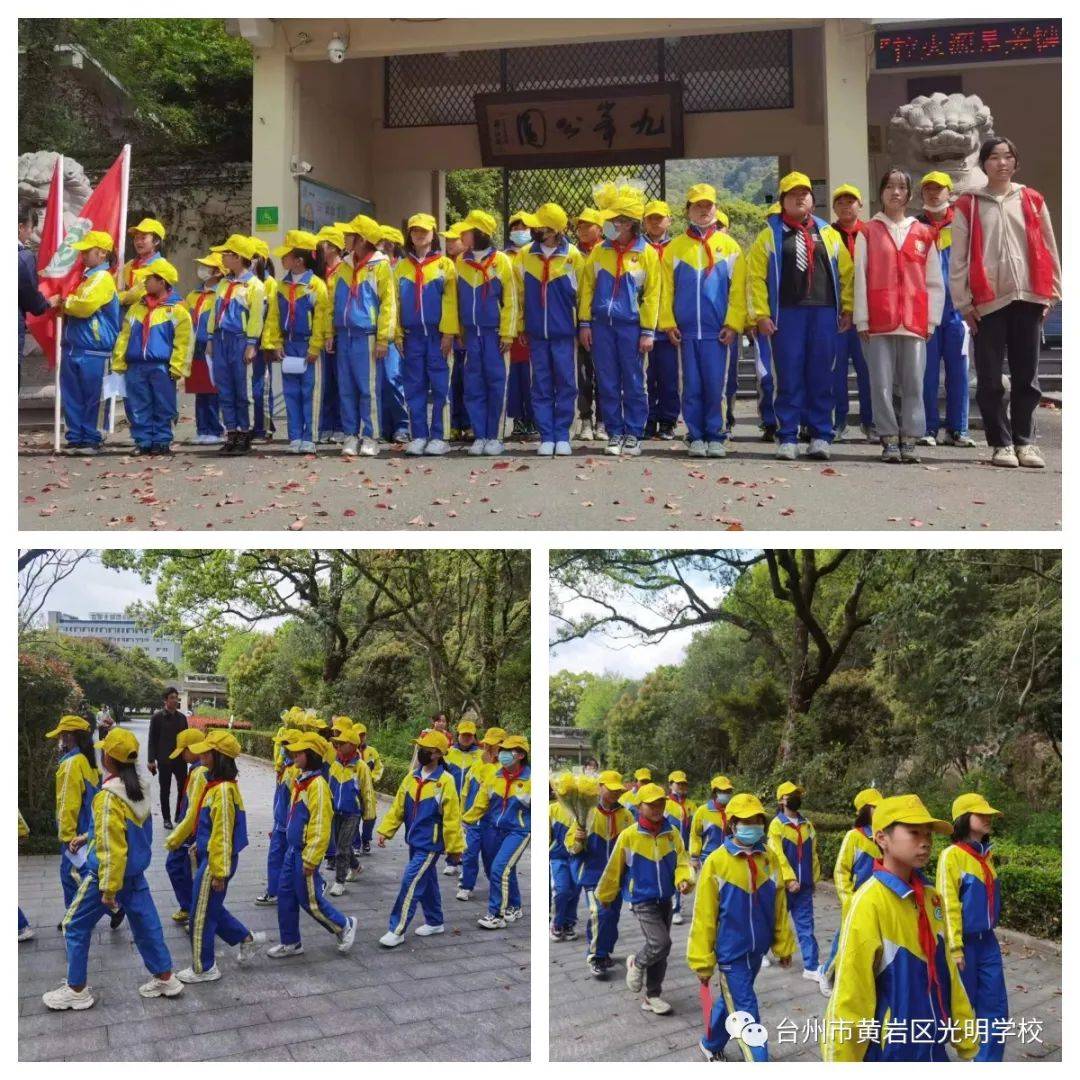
[593,1020]
[463,995]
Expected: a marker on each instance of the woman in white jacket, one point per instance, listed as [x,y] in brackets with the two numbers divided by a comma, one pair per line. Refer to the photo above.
[899,295]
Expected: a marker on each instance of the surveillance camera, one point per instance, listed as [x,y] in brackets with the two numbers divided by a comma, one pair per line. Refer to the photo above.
[336,49]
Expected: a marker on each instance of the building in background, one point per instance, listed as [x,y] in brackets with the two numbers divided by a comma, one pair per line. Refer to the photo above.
[117,628]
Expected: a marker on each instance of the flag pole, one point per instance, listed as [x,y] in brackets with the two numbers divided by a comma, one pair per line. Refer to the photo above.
[120,241]
[60,319]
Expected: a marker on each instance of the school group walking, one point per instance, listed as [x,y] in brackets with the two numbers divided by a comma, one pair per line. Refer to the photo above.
[631,328]
[465,800]
[915,966]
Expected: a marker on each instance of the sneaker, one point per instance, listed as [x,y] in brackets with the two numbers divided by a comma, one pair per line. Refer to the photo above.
[698,448]
[190,975]
[519,431]
[957,438]
[600,433]
[563,449]
[840,434]
[477,447]
[488,921]
[650,430]
[908,454]
[295,446]
[87,451]
[365,848]
[167,825]
[585,431]
[677,918]
[391,940]
[868,432]
[655,1005]
[428,931]
[926,440]
[401,435]
[570,934]
[596,967]
[1005,456]
[156,987]
[493,447]
[765,961]
[369,448]
[1029,457]
[631,446]
[247,950]
[354,873]
[555,934]
[825,981]
[416,448]
[212,440]
[265,900]
[337,889]
[812,974]
[308,447]
[449,871]
[818,450]
[634,975]
[116,918]
[707,1053]
[436,448]
[66,998]
[768,433]
[464,894]
[614,446]
[890,453]
[546,449]
[786,451]
[347,936]
[350,447]
[26,933]
[717,449]
[666,431]
[279,952]
[513,914]
[180,916]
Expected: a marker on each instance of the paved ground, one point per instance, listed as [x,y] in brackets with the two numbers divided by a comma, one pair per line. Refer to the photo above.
[592,1020]
[460,996]
[663,489]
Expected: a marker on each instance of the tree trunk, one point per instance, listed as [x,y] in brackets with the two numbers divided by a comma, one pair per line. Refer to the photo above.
[799,699]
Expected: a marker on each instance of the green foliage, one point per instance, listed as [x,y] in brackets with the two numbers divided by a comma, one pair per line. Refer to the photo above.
[203,646]
[257,743]
[1031,899]
[474,189]
[394,771]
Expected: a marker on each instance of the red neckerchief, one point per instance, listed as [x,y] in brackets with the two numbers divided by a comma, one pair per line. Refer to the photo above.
[202,797]
[722,812]
[137,264]
[483,269]
[703,240]
[988,874]
[151,303]
[928,942]
[328,273]
[619,253]
[421,780]
[681,801]
[418,273]
[203,295]
[290,319]
[658,245]
[358,265]
[807,232]
[509,775]
[546,260]
[298,789]
[610,815]
[586,248]
[798,839]
[229,290]
[649,827]
[849,236]
[935,226]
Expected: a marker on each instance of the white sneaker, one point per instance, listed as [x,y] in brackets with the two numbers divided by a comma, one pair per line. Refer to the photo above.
[436,448]
[337,889]
[1029,457]
[926,440]
[1005,456]
[656,1005]
[563,449]
[490,922]
[416,448]
[585,431]
[428,931]
[786,451]
[493,447]
[190,975]
[631,446]
[279,952]
[614,447]
[717,449]
[246,950]
[347,936]
[308,447]
[369,448]
[337,437]
[765,961]
[449,871]
[354,874]
[825,981]
[812,974]
[677,918]
[957,438]
[295,446]
[66,998]
[818,450]
[634,975]
[698,448]
[351,446]
[391,940]
[464,894]
[477,447]
[546,449]
[156,987]
[26,933]
[513,914]
[600,433]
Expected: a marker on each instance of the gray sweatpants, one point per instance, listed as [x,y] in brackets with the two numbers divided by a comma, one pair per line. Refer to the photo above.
[896,358]
[345,826]
[654,919]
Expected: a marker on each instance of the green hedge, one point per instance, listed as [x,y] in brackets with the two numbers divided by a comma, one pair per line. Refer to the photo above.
[394,770]
[257,743]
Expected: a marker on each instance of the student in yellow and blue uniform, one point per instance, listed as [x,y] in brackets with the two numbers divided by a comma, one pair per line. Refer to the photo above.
[739,915]
[561,874]
[182,862]
[235,329]
[662,377]
[487,313]
[629,797]
[375,765]
[509,791]
[393,412]
[481,837]
[680,812]
[147,238]
[427,306]
[262,367]
[298,318]
[763,367]
[948,345]
[77,782]
[119,845]
[154,353]
[854,865]
[459,417]
[710,821]
[284,780]
[800,291]
[895,970]
[618,306]
[463,754]
[220,836]
[703,310]
[307,833]
[794,843]
[519,404]
[91,322]
[200,304]
[731,388]
[591,849]
[354,799]
[589,232]
[427,805]
[329,249]
[971,892]
[364,302]
[648,866]
[548,271]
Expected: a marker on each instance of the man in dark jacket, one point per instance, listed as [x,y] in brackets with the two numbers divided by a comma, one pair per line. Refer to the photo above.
[165,725]
[31,300]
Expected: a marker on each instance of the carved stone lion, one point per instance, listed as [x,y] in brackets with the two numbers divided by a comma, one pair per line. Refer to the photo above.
[35,176]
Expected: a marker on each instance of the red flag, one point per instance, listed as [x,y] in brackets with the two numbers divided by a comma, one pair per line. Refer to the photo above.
[60,267]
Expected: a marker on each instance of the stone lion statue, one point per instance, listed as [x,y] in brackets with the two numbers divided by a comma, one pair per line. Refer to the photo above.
[35,176]
[942,132]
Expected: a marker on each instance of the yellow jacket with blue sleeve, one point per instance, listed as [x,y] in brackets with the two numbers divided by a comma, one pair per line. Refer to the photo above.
[547,286]
[645,866]
[287,774]
[621,286]
[184,832]
[560,822]
[92,312]
[374,762]
[221,827]
[707,829]
[77,782]
[680,812]
[459,761]
[972,903]
[239,307]
[505,798]
[121,836]
[478,775]
[704,284]
[487,292]
[158,334]
[364,300]
[889,972]
[351,787]
[794,843]
[200,304]
[428,807]
[311,818]
[765,260]
[427,295]
[602,830]
[270,287]
[130,289]
[854,864]
[740,909]
[298,315]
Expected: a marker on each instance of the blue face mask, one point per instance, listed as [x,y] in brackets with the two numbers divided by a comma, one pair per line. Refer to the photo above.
[521,237]
[749,835]
[506,758]
[721,798]
[610,231]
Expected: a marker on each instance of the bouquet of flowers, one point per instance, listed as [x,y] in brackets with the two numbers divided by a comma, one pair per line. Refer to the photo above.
[577,794]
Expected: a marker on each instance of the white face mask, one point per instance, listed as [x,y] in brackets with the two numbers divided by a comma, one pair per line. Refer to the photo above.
[937,207]
[204,273]
[521,237]
[611,232]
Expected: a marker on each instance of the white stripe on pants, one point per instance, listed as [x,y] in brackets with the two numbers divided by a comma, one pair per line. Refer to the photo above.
[897,358]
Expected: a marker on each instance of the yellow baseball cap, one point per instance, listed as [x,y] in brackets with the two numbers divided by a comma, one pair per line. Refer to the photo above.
[261,246]
[701,192]
[467,727]
[657,206]
[149,225]
[551,215]
[643,775]
[650,793]
[937,177]
[433,740]
[347,734]
[515,742]
[971,803]
[287,735]
[213,260]
[868,797]
[795,180]
[309,740]
[95,238]
[339,722]
[238,244]
[332,234]
[161,268]
[744,806]
[788,788]
[591,215]
[120,745]
[296,239]
[218,739]
[185,740]
[359,728]
[364,226]
[847,189]
[525,218]
[421,221]
[720,783]
[71,722]
[390,233]
[677,777]
[494,736]
[453,232]
[908,810]
[612,780]
[479,220]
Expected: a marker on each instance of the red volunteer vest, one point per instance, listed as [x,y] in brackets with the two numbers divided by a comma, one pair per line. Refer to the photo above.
[896,279]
